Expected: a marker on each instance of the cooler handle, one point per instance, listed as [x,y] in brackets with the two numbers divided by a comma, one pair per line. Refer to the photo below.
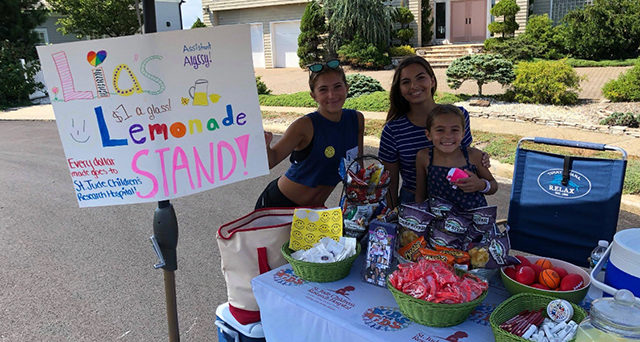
[222,326]
[597,269]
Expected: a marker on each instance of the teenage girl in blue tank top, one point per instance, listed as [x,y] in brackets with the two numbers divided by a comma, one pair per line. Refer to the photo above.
[445,129]
[315,143]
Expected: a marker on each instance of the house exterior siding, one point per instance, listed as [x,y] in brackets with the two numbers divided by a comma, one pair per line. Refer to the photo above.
[53,34]
[522,15]
[264,15]
[225,5]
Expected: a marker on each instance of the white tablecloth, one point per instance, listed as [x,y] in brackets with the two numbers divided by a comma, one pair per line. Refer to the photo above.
[351,310]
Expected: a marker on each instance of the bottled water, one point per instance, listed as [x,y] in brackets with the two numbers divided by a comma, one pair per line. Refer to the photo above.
[597,253]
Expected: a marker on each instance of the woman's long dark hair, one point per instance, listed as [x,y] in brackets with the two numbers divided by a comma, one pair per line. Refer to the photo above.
[399,106]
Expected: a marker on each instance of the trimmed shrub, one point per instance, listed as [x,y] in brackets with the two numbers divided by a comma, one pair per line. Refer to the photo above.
[552,82]
[198,24]
[543,37]
[506,9]
[361,54]
[404,50]
[483,68]
[625,88]
[262,87]
[427,23]
[312,30]
[360,84]
[608,29]
[514,49]
[404,17]
[622,119]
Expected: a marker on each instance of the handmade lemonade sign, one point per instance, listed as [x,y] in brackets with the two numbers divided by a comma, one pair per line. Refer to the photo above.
[156,116]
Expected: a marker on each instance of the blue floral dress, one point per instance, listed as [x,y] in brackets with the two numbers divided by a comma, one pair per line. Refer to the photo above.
[438,185]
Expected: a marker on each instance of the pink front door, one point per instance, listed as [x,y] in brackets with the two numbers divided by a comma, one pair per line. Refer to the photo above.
[468,20]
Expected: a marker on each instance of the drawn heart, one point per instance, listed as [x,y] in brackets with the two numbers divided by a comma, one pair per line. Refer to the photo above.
[96,59]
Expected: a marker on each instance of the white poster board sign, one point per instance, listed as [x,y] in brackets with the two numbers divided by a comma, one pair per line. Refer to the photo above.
[156,116]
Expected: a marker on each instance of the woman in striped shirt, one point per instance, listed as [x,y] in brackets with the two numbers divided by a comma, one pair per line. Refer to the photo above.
[412,98]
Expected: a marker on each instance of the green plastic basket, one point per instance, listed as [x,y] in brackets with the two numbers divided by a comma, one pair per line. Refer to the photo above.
[433,314]
[518,303]
[320,272]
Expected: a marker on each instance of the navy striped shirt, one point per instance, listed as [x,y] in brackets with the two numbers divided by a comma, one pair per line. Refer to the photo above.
[400,142]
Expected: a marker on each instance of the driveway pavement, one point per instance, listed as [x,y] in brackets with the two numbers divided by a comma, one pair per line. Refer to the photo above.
[289,80]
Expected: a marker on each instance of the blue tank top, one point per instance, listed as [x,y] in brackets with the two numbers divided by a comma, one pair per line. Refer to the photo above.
[438,185]
[330,143]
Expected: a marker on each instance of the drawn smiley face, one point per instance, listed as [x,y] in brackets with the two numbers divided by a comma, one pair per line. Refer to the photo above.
[79,131]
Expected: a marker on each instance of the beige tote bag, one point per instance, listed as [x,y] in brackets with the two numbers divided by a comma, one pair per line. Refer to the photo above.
[250,246]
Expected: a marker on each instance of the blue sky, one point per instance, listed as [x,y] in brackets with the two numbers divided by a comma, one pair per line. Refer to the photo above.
[191,10]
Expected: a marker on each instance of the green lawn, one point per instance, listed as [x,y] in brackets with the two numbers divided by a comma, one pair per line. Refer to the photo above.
[502,147]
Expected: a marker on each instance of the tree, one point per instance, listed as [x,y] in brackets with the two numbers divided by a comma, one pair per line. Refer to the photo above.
[427,23]
[97,18]
[19,18]
[404,17]
[313,28]
[483,68]
[17,42]
[543,37]
[369,19]
[198,23]
[506,9]
[608,29]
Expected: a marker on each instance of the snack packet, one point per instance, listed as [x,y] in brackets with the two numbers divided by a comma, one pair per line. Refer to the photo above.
[451,231]
[379,252]
[460,257]
[493,250]
[430,254]
[440,207]
[412,250]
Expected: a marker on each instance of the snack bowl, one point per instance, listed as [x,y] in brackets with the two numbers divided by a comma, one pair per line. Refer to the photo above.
[575,296]
[433,314]
[518,303]
[320,272]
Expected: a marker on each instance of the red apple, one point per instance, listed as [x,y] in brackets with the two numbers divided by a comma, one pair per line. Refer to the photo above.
[539,286]
[510,272]
[537,268]
[525,275]
[561,271]
[523,260]
[571,282]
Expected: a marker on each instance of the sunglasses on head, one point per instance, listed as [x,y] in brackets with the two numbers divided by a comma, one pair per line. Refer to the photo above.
[317,67]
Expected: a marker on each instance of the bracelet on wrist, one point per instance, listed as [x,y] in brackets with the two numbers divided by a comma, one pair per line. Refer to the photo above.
[487,187]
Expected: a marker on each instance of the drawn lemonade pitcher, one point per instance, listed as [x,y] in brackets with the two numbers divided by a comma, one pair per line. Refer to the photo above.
[198,93]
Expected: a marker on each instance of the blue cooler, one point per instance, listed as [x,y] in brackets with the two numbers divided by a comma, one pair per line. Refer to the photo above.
[623,268]
[229,330]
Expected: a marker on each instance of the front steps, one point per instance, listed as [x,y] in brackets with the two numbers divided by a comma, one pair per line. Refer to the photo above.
[440,56]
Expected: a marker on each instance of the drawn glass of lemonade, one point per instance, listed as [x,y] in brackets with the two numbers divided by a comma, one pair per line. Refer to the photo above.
[199,91]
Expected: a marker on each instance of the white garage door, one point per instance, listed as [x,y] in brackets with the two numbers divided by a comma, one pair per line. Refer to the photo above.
[285,45]
[257,45]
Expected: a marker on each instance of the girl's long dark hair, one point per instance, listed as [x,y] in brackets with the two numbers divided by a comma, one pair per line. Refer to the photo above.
[399,106]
